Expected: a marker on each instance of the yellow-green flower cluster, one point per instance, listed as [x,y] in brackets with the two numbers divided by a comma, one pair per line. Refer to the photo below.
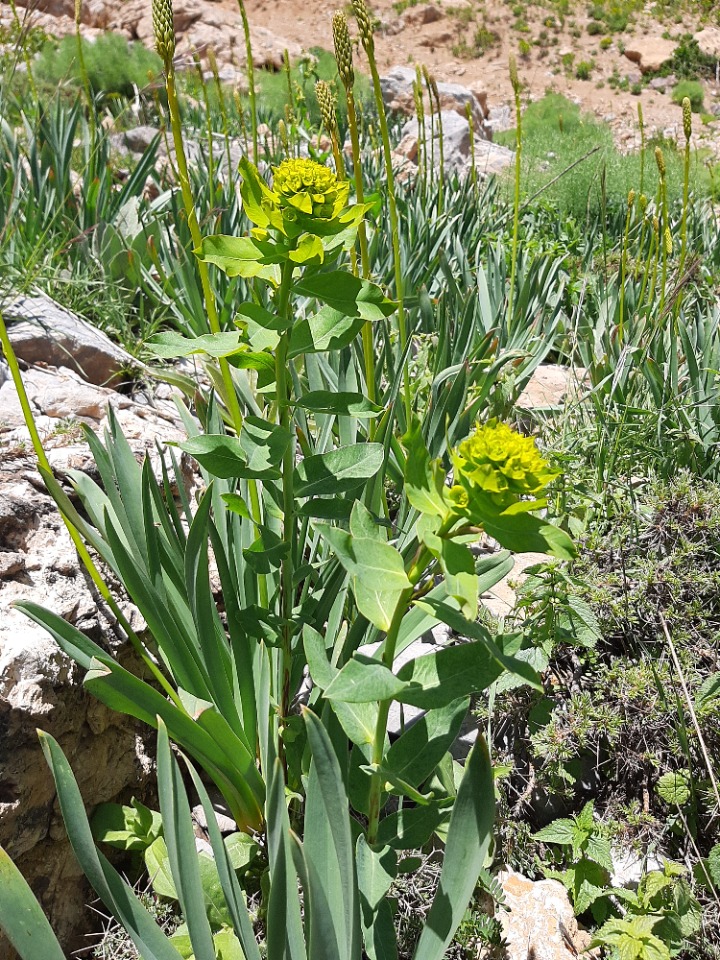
[498,460]
[309,188]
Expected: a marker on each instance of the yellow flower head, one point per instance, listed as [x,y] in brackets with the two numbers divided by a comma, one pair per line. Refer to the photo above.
[309,188]
[498,460]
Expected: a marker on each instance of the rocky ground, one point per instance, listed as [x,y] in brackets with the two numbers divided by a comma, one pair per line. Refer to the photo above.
[441,35]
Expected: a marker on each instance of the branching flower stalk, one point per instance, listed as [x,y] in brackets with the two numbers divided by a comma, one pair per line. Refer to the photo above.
[515,81]
[344,59]
[162,14]
[367,38]
[46,471]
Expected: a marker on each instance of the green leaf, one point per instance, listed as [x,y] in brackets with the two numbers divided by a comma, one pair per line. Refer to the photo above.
[458,565]
[128,828]
[424,480]
[117,895]
[328,846]
[309,250]
[379,580]
[376,871]
[182,853]
[708,693]
[341,404]
[339,470]
[559,831]
[410,828]
[22,918]
[436,679]
[468,843]
[171,344]
[674,788]
[242,256]
[417,752]
[157,862]
[327,330]
[224,457]
[524,533]
[264,443]
[348,294]
[364,680]
[465,628]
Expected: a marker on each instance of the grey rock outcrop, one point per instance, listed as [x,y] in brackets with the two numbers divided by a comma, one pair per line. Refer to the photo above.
[397,89]
[42,331]
[489,157]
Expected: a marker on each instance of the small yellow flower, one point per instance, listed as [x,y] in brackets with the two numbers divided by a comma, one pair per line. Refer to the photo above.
[498,460]
[309,188]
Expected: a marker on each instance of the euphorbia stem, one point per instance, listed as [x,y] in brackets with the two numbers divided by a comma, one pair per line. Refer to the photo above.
[208,295]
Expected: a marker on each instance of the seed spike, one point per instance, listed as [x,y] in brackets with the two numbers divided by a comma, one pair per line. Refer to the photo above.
[343,49]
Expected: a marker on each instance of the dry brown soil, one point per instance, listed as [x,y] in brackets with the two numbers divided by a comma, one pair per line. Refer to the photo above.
[437,44]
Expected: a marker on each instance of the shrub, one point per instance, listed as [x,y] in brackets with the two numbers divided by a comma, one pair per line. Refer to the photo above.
[114,66]
[583,70]
[692,90]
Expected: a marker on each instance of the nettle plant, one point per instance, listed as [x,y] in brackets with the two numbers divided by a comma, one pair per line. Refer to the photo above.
[330,534]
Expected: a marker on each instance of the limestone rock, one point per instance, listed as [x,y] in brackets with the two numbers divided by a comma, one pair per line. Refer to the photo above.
[549,385]
[41,330]
[650,53]
[397,90]
[539,921]
[489,157]
[708,40]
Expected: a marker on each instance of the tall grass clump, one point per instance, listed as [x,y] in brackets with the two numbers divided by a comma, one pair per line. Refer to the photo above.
[113,66]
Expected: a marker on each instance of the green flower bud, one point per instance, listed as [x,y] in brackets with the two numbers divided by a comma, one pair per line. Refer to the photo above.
[514,76]
[668,241]
[660,161]
[643,201]
[365,24]
[687,117]
[326,102]
[631,198]
[343,49]
[162,17]
[655,225]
